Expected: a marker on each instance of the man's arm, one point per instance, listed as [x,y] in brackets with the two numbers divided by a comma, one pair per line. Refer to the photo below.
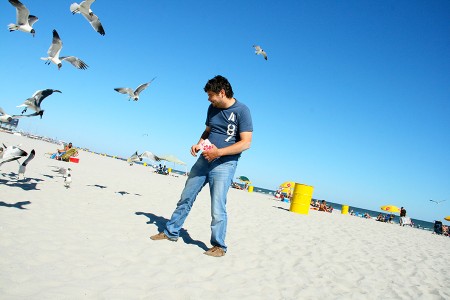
[195,148]
[244,144]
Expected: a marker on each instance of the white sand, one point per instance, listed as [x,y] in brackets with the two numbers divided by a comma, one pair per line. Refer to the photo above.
[90,242]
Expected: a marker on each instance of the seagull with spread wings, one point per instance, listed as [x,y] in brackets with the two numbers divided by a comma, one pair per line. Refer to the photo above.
[437,202]
[84,8]
[24,21]
[134,94]
[146,154]
[34,102]
[260,51]
[53,55]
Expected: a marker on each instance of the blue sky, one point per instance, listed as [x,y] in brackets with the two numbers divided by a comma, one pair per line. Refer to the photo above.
[354,99]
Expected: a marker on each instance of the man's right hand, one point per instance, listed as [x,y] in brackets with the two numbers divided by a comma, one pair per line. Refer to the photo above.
[194,149]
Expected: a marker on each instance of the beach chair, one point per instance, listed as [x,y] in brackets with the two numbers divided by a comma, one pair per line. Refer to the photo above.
[405,221]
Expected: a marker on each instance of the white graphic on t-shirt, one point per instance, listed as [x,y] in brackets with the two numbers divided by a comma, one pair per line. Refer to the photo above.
[231,129]
[230,132]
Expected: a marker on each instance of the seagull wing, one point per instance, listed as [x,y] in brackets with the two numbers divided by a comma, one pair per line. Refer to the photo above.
[142,87]
[86,5]
[56,45]
[22,12]
[126,91]
[32,20]
[95,22]
[149,155]
[12,153]
[29,158]
[75,61]
[44,94]
[134,157]
[23,116]
[264,54]
[8,160]
[257,48]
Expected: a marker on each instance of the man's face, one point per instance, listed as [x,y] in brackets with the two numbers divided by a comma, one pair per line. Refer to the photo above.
[216,99]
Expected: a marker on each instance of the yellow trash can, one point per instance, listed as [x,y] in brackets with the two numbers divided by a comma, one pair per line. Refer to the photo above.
[250,188]
[169,170]
[145,164]
[301,199]
[344,210]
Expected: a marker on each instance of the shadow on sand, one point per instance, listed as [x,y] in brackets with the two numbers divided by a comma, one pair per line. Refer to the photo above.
[25,184]
[98,186]
[160,222]
[282,208]
[16,205]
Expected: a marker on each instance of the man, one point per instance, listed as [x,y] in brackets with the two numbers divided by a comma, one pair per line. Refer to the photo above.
[402,212]
[229,129]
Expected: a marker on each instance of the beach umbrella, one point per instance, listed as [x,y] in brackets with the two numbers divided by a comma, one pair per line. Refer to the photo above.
[244,179]
[390,208]
[447,218]
[172,158]
[287,187]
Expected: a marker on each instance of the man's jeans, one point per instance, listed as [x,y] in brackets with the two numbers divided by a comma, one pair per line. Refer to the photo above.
[219,175]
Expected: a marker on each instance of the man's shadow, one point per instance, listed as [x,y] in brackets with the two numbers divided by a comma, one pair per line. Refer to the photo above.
[160,222]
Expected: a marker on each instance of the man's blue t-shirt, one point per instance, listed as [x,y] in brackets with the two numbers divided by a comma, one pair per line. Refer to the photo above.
[227,124]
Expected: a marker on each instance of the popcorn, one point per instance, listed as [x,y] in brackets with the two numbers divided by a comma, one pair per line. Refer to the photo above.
[206,145]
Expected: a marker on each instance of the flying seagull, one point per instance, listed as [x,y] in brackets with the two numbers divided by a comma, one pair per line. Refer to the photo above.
[136,157]
[35,101]
[23,166]
[24,20]
[134,94]
[11,153]
[437,202]
[84,8]
[53,54]
[260,51]
[133,158]
[5,118]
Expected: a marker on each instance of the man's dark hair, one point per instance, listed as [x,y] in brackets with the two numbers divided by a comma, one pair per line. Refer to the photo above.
[217,84]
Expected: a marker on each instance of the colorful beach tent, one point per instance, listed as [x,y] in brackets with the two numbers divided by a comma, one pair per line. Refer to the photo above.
[391,208]
[287,187]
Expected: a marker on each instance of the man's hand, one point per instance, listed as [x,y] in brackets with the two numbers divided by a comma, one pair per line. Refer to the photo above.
[211,154]
[195,149]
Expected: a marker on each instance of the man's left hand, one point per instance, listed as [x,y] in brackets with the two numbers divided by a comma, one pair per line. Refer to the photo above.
[211,154]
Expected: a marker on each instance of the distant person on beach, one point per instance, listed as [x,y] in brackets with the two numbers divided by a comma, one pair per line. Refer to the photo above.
[229,129]
[323,206]
[60,152]
[402,212]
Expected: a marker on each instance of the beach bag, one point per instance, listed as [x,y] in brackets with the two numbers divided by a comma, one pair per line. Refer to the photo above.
[66,156]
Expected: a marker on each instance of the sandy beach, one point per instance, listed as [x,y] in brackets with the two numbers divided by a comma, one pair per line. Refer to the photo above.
[91,241]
